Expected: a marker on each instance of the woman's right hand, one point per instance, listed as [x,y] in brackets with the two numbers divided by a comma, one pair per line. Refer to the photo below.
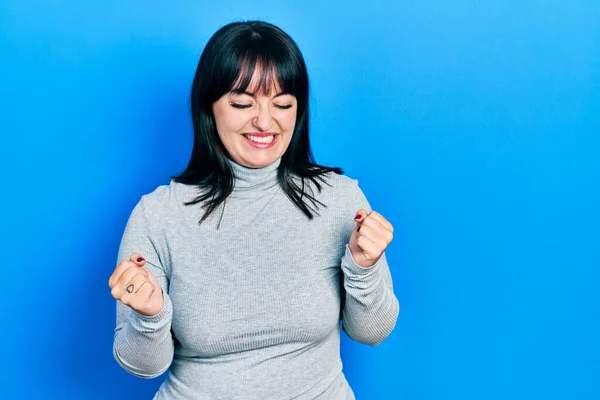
[135,286]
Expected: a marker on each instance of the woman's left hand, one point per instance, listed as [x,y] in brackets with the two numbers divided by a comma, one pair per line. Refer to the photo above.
[372,235]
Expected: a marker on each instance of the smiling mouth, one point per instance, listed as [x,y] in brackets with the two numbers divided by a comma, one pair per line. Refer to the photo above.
[266,139]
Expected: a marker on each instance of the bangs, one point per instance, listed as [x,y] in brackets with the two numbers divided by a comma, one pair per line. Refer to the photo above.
[259,76]
[260,72]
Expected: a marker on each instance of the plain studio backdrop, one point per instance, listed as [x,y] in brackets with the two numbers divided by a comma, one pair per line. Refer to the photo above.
[472,126]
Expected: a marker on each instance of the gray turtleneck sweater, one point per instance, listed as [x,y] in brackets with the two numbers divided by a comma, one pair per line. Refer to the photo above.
[252,309]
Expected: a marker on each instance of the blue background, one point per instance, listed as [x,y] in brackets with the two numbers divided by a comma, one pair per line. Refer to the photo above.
[472,126]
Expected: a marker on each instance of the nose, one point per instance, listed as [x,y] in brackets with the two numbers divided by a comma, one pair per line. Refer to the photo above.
[263,121]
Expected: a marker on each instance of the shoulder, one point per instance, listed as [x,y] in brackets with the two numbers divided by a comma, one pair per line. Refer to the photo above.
[340,182]
[343,191]
[166,198]
[340,185]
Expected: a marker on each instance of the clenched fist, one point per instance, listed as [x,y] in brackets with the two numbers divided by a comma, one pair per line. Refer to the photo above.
[371,236]
[135,286]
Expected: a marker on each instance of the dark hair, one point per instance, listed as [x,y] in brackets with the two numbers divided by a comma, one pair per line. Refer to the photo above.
[229,59]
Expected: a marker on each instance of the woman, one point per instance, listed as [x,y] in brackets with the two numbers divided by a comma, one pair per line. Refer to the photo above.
[236,275]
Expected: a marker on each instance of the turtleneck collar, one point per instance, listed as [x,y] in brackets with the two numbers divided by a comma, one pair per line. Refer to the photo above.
[254,179]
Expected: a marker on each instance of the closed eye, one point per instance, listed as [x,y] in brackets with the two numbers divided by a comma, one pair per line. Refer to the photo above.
[236,105]
[281,107]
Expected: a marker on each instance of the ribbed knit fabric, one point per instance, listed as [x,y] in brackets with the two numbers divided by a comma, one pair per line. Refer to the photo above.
[252,309]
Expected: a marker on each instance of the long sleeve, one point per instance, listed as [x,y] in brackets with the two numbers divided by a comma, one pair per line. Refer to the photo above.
[143,345]
[370,308]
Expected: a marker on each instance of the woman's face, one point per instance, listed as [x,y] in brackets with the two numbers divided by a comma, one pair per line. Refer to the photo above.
[255,128]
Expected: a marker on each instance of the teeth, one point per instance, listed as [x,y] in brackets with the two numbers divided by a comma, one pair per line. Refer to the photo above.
[267,139]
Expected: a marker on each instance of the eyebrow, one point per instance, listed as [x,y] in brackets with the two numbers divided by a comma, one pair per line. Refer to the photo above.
[239,91]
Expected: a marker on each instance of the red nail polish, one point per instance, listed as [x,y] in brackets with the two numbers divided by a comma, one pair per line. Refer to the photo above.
[358,216]
[140,259]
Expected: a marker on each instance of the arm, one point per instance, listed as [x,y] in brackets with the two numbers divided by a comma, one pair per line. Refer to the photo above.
[370,307]
[143,345]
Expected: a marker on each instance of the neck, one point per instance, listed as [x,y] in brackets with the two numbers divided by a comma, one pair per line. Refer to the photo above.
[254,179]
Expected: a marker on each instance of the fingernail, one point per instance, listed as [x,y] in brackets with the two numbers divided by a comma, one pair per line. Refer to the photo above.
[140,259]
[358,216]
